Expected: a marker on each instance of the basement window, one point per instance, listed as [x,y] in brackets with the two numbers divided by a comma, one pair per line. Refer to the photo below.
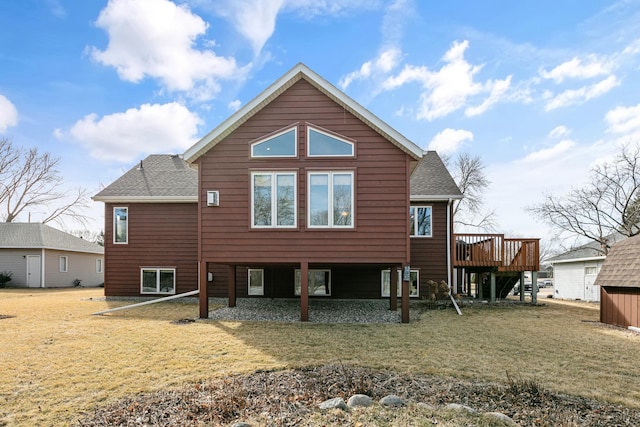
[256,281]
[414,284]
[319,282]
[158,280]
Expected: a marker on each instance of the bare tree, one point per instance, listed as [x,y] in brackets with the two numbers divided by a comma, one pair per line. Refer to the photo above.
[607,205]
[29,179]
[468,172]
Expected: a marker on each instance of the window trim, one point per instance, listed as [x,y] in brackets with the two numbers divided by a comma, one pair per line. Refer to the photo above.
[157,270]
[115,234]
[330,221]
[330,135]
[297,272]
[274,200]
[273,135]
[261,293]
[66,264]
[383,294]
[415,221]
[99,265]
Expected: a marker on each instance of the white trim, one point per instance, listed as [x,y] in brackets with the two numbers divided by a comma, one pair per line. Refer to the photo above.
[330,174]
[114,226]
[330,135]
[274,200]
[399,283]
[146,199]
[100,262]
[66,264]
[435,198]
[415,222]
[583,259]
[262,140]
[249,270]
[299,71]
[157,270]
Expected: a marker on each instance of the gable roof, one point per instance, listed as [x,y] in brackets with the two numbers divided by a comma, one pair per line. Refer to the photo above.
[622,266]
[431,180]
[300,71]
[588,252]
[158,178]
[15,235]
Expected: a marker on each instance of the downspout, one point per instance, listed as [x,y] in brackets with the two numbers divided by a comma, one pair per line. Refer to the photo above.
[449,237]
[42,282]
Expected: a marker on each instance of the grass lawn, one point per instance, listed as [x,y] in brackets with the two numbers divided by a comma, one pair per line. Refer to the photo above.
[58,360]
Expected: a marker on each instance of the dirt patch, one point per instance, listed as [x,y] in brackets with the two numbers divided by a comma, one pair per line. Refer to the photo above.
[288,398]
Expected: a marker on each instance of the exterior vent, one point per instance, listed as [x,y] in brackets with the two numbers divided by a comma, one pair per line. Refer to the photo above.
[213,198]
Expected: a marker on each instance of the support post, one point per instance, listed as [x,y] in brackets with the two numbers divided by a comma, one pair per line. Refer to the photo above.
[479,280]
[405,300]
[393,289]
[493,286]
[534,287]
[304,291]
[203,297]
[232,285]
[522,286]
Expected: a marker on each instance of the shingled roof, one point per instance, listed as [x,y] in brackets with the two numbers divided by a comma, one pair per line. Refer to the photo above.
[431,180]
[40,236]
[622,266]
[589,251]
[158,178]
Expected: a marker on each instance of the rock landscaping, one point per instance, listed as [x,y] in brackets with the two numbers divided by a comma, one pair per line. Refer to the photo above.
[292,397]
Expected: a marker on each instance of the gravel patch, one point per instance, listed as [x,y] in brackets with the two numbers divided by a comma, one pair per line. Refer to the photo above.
[320,311]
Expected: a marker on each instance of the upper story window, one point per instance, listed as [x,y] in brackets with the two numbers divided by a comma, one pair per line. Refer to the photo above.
[420,219]
[273,199]
[330,200]
[280,144]
[120,225]
[323,144]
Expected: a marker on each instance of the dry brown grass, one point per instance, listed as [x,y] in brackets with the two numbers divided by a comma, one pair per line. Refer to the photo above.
[58,360]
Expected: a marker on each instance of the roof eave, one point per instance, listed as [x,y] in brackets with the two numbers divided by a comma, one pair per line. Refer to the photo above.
[146,199]
[565,261]
[55,248]
[435,198]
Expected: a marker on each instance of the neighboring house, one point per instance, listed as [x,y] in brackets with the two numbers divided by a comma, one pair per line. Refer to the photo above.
[575,272]
[39,256]
[619,282]
[301,193]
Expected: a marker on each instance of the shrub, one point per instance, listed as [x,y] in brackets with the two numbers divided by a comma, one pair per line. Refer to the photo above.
[5,277]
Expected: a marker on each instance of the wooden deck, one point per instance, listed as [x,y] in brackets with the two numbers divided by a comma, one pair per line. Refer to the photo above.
[494,251]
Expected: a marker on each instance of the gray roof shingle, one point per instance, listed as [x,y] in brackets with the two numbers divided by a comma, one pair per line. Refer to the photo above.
[622,266]
[41,236]
[161,177]
[589,250]
[431,180]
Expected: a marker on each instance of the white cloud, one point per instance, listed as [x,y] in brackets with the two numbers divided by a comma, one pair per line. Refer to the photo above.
[234,105]
[550,153]
[577,69]
[156,38]
[559,132]
[8,114]
[624,119]
[449,140]
[585,93]
[384,63]
[497,90]
[124,137]
[255,20]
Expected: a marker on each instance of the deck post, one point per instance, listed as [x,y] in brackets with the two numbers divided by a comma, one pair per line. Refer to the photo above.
[534,287]
[405,300]
[479,283]
[304,291]
[493,286]
[522,286]
[203,297]
[232,285]
[393,289]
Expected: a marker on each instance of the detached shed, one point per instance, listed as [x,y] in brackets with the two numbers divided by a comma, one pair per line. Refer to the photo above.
[619,282]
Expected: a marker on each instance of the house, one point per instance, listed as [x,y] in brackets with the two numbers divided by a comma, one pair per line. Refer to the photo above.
[619,283]
[302,193]
[575,271]
[39,256]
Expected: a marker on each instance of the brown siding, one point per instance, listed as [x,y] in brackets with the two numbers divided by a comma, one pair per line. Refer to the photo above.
[160,235]
[429,254]
[620,306]
[381,199]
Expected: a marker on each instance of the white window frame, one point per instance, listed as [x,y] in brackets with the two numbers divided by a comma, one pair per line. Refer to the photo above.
[330,135]
[415,221]
[330,175]
[63,264]
[115,226]
[157,270]
[297,288]
[275,135]
[99,265]
[387,293]
[274,199]
[256,290]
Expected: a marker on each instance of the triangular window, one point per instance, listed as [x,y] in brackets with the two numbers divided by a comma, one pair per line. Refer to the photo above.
[281,144]
[324,144]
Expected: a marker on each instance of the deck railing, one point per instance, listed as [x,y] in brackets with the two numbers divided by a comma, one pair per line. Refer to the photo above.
[494,250]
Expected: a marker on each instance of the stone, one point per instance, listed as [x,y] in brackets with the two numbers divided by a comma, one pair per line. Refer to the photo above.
[240,424]
[335,403]
[392,400]
[459,407]
[359,400]
[502,417]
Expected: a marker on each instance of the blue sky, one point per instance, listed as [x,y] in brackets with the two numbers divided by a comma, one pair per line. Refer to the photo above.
[541,90]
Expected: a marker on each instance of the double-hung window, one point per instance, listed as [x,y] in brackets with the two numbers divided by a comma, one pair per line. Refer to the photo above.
[120,225]
[330,200]
[273,199]
[420,221]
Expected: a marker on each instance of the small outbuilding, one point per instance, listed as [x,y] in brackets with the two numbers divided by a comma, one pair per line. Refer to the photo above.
[619,282]
[39,256]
